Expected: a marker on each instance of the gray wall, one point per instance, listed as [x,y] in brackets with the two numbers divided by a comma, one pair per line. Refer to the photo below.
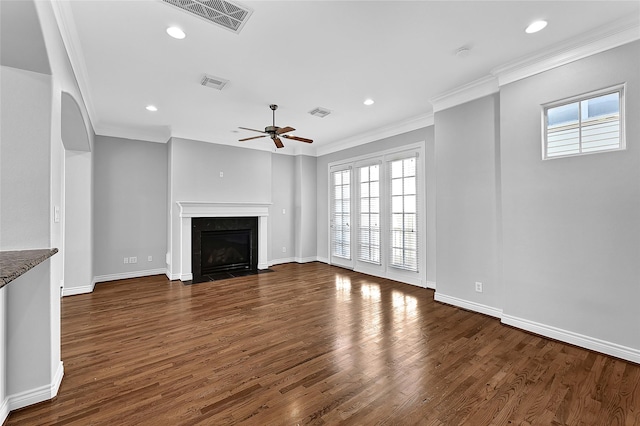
[572,225]
[25,224]
[282,226]
[421,135]
[195,176]
[25,159]
[306,208]
[466,158]
[130,199]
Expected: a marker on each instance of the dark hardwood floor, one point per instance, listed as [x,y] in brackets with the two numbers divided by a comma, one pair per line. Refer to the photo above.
[315,344]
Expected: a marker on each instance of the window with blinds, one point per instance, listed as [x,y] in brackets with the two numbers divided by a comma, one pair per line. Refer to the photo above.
[587,124]
[341,213]
[369,221]
[404,214]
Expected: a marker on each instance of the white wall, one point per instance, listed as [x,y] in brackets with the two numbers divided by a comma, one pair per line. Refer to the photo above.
[130,207]
[78,259]
[4,403]
[467,160]
[571,225]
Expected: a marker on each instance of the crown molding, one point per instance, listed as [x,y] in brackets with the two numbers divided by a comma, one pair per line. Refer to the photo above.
[476,89]
[69,33]
[160,134]
[404,126]
[606,37]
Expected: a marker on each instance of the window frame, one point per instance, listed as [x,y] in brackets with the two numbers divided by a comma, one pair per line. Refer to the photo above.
[618,88]
[391,212]
[344,261]
[380,197]
[384,269]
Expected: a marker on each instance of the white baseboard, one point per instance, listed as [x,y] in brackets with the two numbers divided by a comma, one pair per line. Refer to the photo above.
[323,259]
[613,349]
[39,394]
[172,277]
[126,275]
[431,285]
[466,304]
[292,260]
[72,291]
[186,277]
[57,379]
[4,410]
[281,261]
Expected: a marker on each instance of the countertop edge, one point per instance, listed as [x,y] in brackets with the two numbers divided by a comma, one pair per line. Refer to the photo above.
[16,263]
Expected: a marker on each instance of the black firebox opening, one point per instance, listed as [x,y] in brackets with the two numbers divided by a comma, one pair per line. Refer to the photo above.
[225,250]
[222,245]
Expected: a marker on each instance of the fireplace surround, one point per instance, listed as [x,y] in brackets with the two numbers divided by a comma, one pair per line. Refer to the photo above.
[223,244]
[188,210]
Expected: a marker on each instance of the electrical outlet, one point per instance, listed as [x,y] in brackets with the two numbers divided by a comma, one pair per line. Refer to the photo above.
[126,260]
[150,259]
[478,287]
[284,211]
[221,174]
[133,260]
[284,249]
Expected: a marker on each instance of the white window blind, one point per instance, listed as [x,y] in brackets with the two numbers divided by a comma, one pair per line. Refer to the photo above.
[404,214]
[369,221]
[341,213]
[587,124]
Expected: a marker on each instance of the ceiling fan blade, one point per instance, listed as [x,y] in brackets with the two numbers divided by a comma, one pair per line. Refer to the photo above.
[253,137]
[253,130]
[282,130]
[278,142]
[298,138]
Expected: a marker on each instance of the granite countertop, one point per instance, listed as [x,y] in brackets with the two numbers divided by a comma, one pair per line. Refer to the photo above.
[15,263]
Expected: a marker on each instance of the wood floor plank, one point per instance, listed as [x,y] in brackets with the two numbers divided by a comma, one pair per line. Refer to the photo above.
[315,344]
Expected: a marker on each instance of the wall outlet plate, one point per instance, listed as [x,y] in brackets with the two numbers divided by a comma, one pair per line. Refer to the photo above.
[478,287]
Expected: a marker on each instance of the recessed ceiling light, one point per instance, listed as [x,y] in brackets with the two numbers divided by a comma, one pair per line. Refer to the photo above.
[151,108]
[368,102]
[535,27]
[176,32]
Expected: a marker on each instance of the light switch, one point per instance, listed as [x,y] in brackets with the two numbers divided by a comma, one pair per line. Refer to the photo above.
[221,174]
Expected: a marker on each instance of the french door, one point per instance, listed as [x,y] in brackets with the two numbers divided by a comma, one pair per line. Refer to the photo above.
[341,229]
[374,216]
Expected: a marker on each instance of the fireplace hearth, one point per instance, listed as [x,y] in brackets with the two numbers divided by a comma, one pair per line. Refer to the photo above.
[224,247]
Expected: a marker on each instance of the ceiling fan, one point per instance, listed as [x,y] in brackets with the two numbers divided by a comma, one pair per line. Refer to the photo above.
[275,132]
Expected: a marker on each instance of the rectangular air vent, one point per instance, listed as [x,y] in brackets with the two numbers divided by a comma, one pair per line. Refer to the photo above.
[320,112]
[213,82]
[226,14]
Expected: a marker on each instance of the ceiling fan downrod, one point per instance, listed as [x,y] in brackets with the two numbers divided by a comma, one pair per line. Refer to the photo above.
[274,107]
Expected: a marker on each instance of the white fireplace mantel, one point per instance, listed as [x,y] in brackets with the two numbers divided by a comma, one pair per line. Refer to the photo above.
[190,209]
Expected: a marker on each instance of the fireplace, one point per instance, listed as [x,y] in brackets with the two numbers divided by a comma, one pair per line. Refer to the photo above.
[223,245]
[180,260]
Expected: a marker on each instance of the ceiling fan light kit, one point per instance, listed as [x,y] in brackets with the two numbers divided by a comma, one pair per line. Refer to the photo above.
[275,132]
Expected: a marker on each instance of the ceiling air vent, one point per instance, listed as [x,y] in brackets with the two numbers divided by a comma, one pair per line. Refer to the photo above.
[213,82]
[320,112]
[229,15]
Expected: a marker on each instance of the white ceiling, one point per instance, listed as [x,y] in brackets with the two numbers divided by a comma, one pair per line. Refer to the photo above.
[301,55]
